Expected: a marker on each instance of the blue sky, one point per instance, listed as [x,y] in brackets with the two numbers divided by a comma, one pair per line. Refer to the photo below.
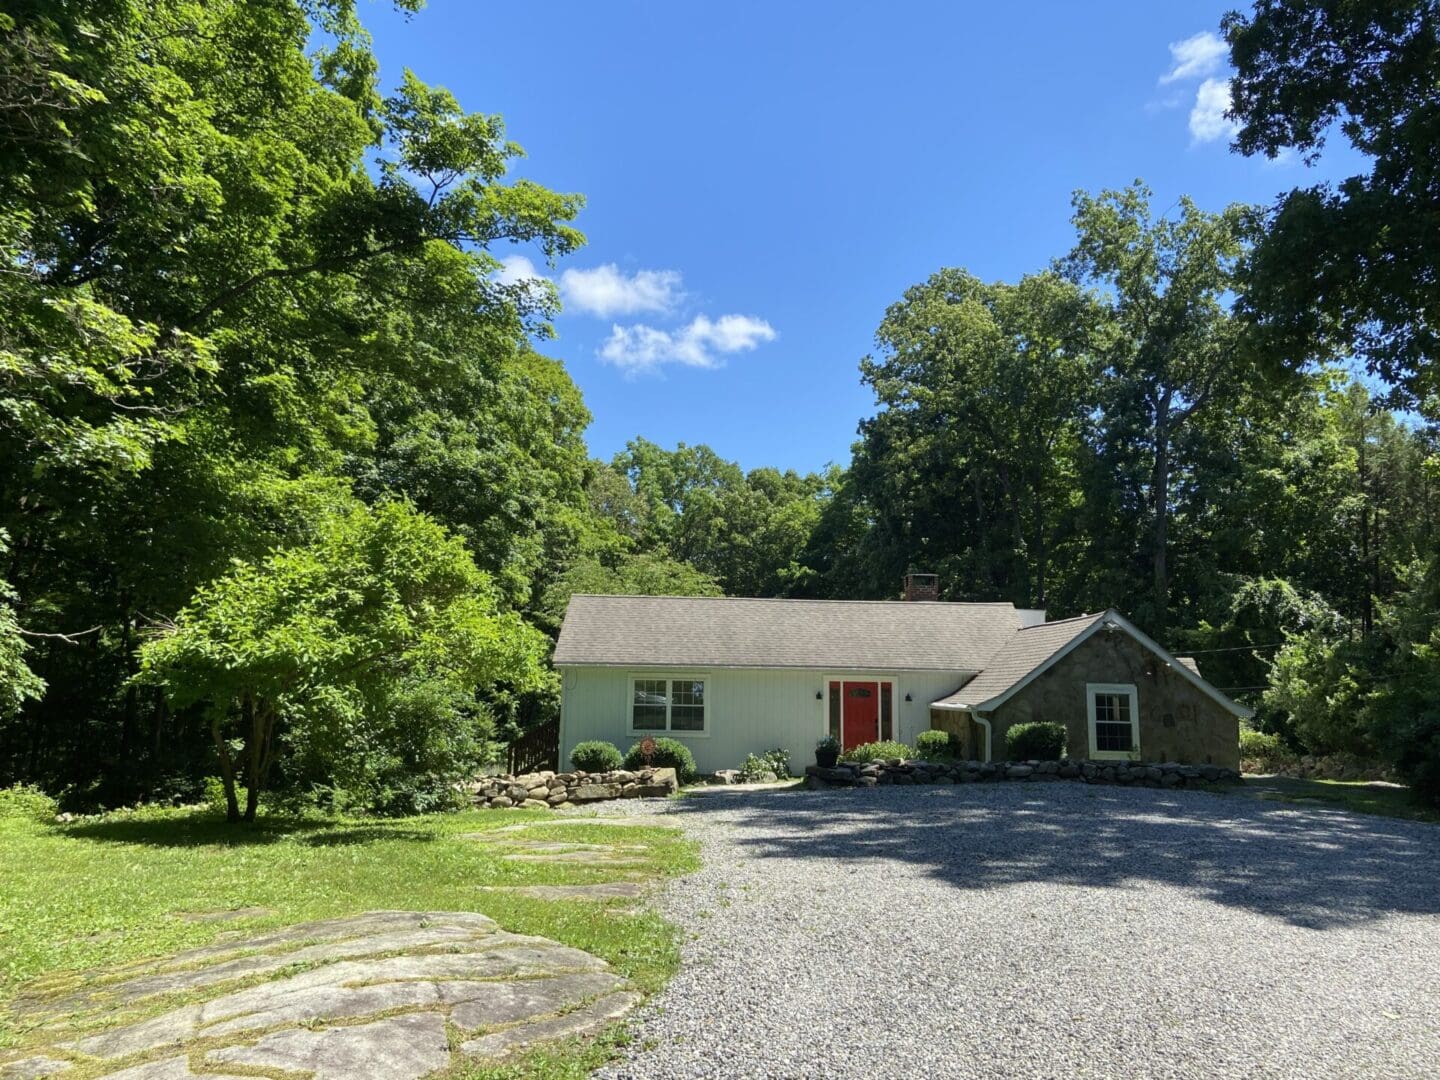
[764,179]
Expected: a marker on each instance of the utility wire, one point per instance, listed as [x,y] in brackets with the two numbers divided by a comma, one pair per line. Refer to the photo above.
[1235,648]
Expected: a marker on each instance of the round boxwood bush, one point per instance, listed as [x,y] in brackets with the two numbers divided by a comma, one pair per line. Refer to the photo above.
[596,756]
[877,751]
[664,754]
[1039,740]
[937,746]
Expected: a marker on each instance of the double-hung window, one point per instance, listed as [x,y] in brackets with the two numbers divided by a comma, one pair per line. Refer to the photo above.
[1114,720]
[667,705]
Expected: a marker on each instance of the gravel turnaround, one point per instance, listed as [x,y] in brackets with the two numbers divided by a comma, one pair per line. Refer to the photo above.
[1058,930]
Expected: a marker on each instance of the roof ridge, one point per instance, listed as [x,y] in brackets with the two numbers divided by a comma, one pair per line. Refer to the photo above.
[802,600]
[1062,622]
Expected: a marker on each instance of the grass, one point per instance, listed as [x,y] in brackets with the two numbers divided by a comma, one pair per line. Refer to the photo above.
[108,891]
[1386,800]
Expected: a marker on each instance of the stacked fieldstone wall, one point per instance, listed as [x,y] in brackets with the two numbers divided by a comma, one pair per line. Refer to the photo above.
[1133,773]
[548,789]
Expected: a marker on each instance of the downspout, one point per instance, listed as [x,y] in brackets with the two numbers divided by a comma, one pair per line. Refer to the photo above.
[983,722]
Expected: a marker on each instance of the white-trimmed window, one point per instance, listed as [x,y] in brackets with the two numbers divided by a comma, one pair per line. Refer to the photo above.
[667,705]
[1114,720]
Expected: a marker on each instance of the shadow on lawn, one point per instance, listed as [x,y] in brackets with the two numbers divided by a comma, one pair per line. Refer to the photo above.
[1310,867]
[207,831]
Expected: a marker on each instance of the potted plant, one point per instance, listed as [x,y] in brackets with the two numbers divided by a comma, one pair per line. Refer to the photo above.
[827,752]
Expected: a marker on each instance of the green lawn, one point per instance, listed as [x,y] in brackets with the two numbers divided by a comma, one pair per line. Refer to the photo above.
[106,891]
[1358,795]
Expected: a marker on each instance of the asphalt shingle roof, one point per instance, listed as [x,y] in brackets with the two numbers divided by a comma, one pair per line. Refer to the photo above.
[849,635]
[1026,650]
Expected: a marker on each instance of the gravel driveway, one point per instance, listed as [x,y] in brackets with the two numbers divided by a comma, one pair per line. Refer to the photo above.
[1046,931]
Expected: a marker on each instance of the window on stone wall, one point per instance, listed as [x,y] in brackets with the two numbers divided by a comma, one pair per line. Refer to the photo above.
[1114,720]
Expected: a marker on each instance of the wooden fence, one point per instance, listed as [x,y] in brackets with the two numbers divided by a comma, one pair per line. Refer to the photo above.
[537,749]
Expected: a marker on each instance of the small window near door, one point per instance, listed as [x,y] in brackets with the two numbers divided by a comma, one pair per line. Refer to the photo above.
[887,712]
[835,710]
[1114,720]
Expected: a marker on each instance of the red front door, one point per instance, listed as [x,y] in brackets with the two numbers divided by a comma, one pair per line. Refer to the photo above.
[860,716]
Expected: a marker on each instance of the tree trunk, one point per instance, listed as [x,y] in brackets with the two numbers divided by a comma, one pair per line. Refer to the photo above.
[227,770]
[1160,493]
[254,720]
[1367,603]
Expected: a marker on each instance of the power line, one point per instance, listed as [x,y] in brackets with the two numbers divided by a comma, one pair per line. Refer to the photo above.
[1236,648]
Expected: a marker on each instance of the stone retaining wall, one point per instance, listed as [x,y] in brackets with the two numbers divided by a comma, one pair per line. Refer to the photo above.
[1133,773]
[547,789]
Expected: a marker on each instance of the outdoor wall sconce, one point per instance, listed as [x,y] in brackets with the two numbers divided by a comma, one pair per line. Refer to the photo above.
[818,695]
[909,698]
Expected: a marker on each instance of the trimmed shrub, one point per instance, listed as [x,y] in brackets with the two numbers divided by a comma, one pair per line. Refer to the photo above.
[877,751]
[936,745]
[596,756]
[664,754]
[1039,740]
[755,766]
[25,802]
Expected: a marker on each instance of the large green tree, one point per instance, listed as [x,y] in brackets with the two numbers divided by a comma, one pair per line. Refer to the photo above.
[1174,352]
[1353,266]
[240,282]
[340,649]
[983,390]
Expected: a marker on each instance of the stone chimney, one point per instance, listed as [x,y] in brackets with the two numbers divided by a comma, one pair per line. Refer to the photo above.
[922,587]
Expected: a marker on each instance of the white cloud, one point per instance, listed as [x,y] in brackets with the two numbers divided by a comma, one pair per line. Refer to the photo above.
[1196,57]
[607,291]
[640,348]
[515,269]
[1208,121]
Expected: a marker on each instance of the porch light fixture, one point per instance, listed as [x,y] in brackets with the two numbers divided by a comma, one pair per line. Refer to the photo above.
[909,698]
[819,695]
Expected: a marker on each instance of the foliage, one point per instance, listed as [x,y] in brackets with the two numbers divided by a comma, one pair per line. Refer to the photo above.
[937,745]
[1258,746]
[596,756]
[242,285]
[354,657]
[877,751]
[983,390]
[18,684]
[1036,740]
[1370,695]
[755,767]
[827,742]
[663,753]
[1349,266]
[1172,349]
[26,802]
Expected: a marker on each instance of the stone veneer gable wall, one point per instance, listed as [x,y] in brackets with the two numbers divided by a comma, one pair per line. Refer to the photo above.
[1178,722]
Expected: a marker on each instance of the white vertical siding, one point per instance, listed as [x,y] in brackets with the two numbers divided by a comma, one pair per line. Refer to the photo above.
[748,711]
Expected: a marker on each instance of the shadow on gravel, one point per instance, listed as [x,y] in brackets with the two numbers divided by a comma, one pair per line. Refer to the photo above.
[1315,868]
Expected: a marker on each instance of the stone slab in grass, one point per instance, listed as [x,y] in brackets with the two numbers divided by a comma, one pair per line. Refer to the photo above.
[583,858]
[368,996]
[586,1021]
[401,1048]
[547,847]
[605,890]
[231,915]
[634,821]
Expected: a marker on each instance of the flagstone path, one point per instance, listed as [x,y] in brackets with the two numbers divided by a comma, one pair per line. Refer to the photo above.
[373,995]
